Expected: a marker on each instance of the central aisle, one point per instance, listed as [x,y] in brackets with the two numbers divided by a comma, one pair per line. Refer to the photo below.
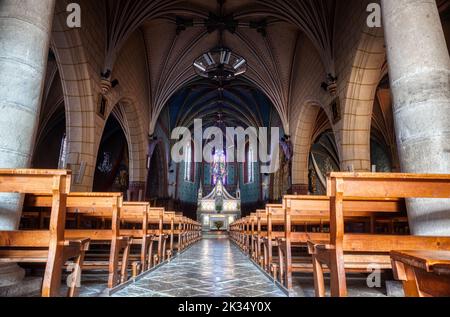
[214,267]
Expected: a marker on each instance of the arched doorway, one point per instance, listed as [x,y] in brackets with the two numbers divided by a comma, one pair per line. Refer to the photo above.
[156,186]
[383,144]
[112,168]
[323,156]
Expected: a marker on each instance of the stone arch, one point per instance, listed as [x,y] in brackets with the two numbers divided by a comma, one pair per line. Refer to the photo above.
[113,158]
[303,139]
[359,96]
[79,99]
[157,165]
[126,113]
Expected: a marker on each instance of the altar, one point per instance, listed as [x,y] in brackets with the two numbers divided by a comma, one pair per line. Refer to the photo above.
[219,209]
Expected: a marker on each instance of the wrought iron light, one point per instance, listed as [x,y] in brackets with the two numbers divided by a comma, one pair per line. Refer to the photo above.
[220,64]
[106,166]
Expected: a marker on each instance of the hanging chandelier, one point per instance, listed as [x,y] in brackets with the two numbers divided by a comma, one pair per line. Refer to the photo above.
[220,64]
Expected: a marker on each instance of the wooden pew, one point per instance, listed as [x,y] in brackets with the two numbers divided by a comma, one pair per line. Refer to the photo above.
[259,235]
[239,229]
[191,231]
[242,233]
[236,232]
[138,213]
[185,232]
[45,246]
[233,231]
[275,217]
[304,212]
[196,231]
[156,222]
[423,273]
[248,234]
[251,232]
[96,206]
[357,251]
[169,219]
[180,232]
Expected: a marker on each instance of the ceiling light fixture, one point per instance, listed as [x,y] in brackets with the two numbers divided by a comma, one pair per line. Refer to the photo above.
[220,64]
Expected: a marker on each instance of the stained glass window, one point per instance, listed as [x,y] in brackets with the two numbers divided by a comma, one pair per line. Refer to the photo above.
[250,166]
[219,167]
[188,163]
[63,153]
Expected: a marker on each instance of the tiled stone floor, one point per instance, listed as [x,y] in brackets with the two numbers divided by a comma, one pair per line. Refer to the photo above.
[213,267]
[357,287]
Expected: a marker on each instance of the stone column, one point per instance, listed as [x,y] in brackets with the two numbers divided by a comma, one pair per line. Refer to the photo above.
[25,29]
[419,69]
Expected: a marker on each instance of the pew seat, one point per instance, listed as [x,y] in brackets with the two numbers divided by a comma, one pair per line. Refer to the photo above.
[45,246]
[423,273]
[96,207]
[365,250]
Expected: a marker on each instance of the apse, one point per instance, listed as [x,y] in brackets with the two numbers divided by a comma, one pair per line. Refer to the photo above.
[236,103]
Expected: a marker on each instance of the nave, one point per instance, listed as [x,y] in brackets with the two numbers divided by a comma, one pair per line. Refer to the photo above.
[214,267]
[337,165]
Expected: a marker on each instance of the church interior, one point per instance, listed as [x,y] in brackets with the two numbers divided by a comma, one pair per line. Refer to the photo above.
[353,97]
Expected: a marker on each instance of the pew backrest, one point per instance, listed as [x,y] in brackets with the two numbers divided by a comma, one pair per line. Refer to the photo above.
[347,186]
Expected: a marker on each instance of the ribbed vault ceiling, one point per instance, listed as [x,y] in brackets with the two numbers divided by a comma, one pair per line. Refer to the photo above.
[236,104]
[270,57]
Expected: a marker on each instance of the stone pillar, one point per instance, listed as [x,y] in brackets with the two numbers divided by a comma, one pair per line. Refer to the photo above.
[25,29]
[419,69]
[300,189]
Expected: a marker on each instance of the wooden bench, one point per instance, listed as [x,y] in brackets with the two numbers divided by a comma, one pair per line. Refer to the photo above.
[251,235]
[183,236]
[156,223]
[358,251]
[313,212]
[195,231]
[259,236]
[242,233]
[239,231]
[137,214]
[191,232]
[183,231]
[275,217]
[236,232]
[179,233]
[102,207]
[45,246]
[169,220]
[423,273]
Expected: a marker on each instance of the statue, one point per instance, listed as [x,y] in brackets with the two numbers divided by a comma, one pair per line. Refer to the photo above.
[288,149]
